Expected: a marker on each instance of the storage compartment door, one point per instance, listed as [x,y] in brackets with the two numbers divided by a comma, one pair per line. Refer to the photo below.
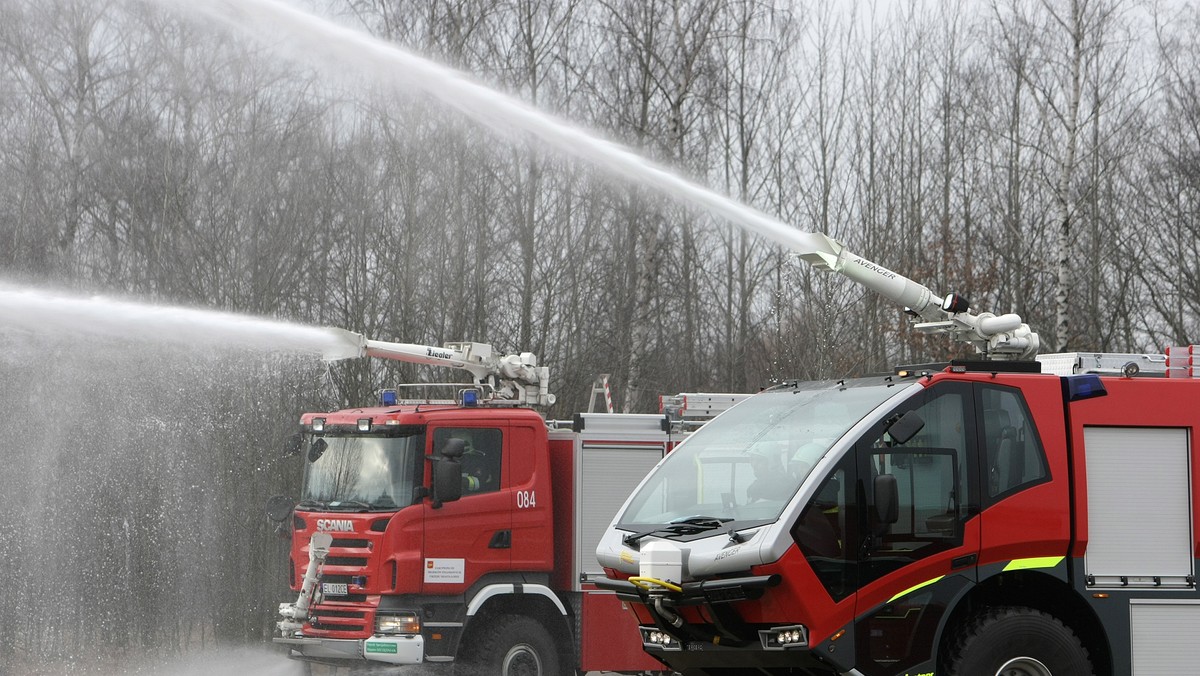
[1164,637]
[1139,507]
[609,473]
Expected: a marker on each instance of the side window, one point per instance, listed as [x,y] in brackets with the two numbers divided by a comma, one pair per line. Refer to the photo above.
[917,493]
[1012,453]
[481,457]
[826,531]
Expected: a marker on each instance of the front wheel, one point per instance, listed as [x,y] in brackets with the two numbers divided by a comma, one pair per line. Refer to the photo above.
[511,645]
[1017,641]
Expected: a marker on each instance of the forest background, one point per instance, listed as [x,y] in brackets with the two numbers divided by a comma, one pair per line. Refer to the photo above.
[1035,156]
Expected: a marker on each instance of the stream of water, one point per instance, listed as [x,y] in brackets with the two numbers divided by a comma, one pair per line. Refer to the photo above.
[324,44]
[35,311]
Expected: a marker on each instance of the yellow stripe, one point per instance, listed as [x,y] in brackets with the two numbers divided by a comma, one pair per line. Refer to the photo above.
[1034,562]
[914,588]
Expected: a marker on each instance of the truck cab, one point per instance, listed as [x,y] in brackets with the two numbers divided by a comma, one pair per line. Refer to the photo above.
[848,527]
[405,551]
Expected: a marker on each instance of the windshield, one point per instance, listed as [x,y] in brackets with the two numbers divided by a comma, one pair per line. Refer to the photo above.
[362,472]
[748,463]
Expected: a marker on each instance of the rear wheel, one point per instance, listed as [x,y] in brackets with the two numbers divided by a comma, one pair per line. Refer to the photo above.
[512,645]
[1018,641]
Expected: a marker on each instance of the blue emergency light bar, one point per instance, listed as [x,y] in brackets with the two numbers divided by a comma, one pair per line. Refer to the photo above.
[1083,386]
[470,397]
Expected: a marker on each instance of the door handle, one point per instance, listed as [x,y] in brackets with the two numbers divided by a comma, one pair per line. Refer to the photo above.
[501,539]
[964,561]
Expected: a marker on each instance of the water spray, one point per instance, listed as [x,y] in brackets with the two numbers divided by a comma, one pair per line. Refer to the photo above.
[325,44]
[36,311]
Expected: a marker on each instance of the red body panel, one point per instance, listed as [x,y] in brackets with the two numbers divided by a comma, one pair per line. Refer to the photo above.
[1035,522]
[799,594]
[562,468]
[608,638]
[533,521]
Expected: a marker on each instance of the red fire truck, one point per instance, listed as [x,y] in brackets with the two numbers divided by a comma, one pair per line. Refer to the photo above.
[463,530]
[1007,517]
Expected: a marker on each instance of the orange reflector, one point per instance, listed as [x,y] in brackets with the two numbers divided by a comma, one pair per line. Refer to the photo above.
[839,634]
[1100,596]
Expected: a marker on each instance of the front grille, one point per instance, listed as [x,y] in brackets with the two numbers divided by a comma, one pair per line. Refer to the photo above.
[342,614]
[325,622]
[358,561]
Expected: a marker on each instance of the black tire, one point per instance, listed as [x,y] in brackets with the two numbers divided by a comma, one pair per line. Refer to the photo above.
[1015,641]
[511,645]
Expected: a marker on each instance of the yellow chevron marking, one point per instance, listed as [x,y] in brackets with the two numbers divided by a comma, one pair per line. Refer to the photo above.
[1034,562]
[916,587]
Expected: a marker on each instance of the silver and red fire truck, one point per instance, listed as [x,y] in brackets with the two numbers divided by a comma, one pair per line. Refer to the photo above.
[1012,516]
[464,530]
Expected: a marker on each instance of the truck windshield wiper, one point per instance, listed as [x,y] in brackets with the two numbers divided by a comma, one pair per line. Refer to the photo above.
[338,505]
[686,526]
[703,522]
[353,504]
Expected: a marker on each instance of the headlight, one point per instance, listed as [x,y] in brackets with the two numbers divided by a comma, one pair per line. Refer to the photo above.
[782,638]
[652,637]
[403,623]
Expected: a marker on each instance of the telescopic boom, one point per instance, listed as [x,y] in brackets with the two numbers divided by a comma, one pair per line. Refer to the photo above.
[998,337]
[514,377]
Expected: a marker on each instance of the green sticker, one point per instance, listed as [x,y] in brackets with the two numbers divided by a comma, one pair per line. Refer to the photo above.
[389,648]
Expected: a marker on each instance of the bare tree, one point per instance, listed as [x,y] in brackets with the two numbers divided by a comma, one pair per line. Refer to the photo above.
[1169,176]
[1069,43]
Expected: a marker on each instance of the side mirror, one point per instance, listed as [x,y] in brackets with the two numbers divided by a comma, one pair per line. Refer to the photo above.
[317,449]
[447,480]
[447,471]
[279,508]
[887,498]
[905,427]
[292,445]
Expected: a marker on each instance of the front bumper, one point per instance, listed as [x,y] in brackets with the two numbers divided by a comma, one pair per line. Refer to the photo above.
[716,640]
[407,649]
[717,659]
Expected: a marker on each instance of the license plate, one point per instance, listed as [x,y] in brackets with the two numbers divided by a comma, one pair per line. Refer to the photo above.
[334,588]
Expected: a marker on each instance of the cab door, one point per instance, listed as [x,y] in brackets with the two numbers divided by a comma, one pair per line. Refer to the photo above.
[919,523]
[470,537]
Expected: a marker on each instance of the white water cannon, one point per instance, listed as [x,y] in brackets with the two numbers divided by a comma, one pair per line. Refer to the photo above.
[513,377]
[295,614]
[996,337]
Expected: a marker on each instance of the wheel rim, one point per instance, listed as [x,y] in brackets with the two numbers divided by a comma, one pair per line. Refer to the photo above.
[1023,666]
[521,660]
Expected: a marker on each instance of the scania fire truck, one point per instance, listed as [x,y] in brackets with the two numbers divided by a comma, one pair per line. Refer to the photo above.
[463,530]
[1016,515]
